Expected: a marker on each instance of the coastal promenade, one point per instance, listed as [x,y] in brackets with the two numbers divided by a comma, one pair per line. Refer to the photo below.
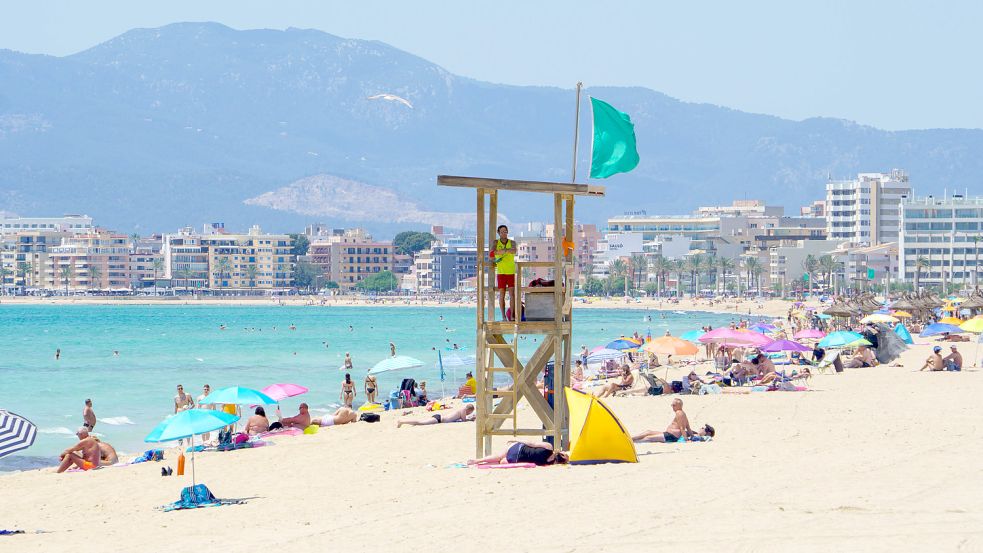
[875,459]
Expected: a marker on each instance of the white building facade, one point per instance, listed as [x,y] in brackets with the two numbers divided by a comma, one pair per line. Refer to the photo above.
[941,241]
[865,210]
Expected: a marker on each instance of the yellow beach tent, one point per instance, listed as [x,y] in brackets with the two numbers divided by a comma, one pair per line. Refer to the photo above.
[596,434]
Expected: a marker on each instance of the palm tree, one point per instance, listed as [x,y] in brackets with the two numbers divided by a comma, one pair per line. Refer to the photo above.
[223,268]
[639,266]
[694,264]
[726,266]
[709,266]
[976,268]
[827,265]
[157,265]
[3,279]
[23,268]
[810,265]
[920,263]
[95,276]
[739,272]
[619,268]
[661,266]
[753,268]
[251,271]
[586,270]
[67,272]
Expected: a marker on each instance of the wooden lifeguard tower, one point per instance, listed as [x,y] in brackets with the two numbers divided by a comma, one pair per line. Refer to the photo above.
[497,350]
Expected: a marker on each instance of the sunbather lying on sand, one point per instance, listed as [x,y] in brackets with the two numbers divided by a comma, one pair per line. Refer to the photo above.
[678,427]
[460,414]
[540,453]
[343,415]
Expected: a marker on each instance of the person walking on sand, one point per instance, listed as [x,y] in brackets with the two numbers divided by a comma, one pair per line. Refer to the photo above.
[503,253]
[347,391]
[88,416]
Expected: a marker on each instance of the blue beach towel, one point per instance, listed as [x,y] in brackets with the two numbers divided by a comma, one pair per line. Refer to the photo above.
[194,497]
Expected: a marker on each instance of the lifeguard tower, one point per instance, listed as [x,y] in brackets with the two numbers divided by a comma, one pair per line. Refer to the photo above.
[548,313]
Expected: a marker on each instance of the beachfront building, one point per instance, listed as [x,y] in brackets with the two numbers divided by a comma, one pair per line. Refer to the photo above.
[91,261]
[448,264]
[785,263]
[251,261]
[74,224]
[865,210]
[185,259]
[750,208]
[350,255]
[941,241]
[24,256]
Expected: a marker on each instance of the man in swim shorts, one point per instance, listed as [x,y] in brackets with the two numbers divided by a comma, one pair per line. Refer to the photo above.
[88,416]
[302,420]
[86,454]
[504,254]
[460,414]
[343,415]
[679,426]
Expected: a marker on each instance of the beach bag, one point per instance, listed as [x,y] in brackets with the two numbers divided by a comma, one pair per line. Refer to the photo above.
[369,417]
[197,495]
[677,386]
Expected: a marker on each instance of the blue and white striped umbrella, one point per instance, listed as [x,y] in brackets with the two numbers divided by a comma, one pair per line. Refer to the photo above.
[16,433]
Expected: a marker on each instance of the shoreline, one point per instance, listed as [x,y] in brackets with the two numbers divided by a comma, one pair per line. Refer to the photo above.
[747,308]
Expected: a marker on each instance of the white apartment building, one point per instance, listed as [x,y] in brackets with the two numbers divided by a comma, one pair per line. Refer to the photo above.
[75,224]
[865,210]
[946,234]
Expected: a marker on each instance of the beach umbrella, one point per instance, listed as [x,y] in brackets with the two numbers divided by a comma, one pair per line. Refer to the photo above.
[188,424]
[16,433]
[973,325]
[785,345]
[729,336]
[809,334]
[763,328]
[623,343]
[901,330]
[692,335]
[951,321]
[940,328]
[878,318]
[824,316]
[452,361]
[238,395]
[902,314]
[603,354]
[282,391]
[670,345]
[842,339]
[398,363]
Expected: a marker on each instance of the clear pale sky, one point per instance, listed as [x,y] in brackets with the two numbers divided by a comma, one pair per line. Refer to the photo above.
[891,64]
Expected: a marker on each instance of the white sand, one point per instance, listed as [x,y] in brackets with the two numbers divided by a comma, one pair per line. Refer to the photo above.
[880,459]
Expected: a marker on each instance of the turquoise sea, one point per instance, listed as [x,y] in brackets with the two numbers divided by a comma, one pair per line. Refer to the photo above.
[162,346]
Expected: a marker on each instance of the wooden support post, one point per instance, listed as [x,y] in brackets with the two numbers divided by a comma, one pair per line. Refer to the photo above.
[564,373]
[492,237]
[482,407]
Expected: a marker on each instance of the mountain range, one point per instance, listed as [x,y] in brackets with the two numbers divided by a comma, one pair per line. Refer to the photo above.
[196,122]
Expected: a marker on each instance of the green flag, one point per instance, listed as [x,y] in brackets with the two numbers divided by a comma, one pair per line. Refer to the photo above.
[870,274]
[614,141]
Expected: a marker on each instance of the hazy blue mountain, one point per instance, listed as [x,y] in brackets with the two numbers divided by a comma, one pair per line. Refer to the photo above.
[159,128]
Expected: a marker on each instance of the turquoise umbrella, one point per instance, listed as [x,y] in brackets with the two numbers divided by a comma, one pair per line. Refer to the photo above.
[188,424]
[902,330]
[397,363]
[237,395]
[842,339]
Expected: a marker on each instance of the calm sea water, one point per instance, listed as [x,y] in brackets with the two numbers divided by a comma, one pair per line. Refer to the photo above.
[162,346]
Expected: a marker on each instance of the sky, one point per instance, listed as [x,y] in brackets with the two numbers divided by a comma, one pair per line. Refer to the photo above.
[892,64]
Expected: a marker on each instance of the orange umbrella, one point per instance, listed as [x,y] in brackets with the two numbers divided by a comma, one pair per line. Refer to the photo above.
[670,345]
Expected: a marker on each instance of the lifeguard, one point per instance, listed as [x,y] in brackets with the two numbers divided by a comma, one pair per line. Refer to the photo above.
[504,255]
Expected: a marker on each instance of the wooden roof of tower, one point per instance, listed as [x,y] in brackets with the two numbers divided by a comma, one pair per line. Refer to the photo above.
[566,188]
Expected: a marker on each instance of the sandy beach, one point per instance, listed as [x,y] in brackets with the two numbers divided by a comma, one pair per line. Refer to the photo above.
[877,459]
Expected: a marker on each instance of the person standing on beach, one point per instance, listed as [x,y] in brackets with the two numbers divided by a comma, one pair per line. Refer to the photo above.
[347,391]
[88,416]
[205,390]
[504,255]
[370,388]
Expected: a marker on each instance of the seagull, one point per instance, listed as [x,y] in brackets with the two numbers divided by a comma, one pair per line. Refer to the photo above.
[392,98]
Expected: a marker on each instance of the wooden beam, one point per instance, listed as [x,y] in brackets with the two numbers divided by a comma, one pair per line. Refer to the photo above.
[521,185]
[522,384]
[492,237]
[482,404]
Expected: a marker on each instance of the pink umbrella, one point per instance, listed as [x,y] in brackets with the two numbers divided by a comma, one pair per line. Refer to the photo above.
[280,391]
[785,345]
[809,333]
[733,337]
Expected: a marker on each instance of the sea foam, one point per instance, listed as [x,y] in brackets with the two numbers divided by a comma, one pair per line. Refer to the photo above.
[116,421]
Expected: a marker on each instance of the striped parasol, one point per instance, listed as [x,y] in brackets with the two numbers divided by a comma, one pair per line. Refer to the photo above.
[16,433]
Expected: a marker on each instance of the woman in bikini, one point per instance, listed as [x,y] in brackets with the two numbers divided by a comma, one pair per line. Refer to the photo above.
[370,388]
[347,391]
[625,383]
[538,453]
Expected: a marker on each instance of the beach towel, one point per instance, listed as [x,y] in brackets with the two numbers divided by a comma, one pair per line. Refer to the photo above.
[194,497]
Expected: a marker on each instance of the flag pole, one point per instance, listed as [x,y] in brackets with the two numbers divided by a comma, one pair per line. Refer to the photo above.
[576,134]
